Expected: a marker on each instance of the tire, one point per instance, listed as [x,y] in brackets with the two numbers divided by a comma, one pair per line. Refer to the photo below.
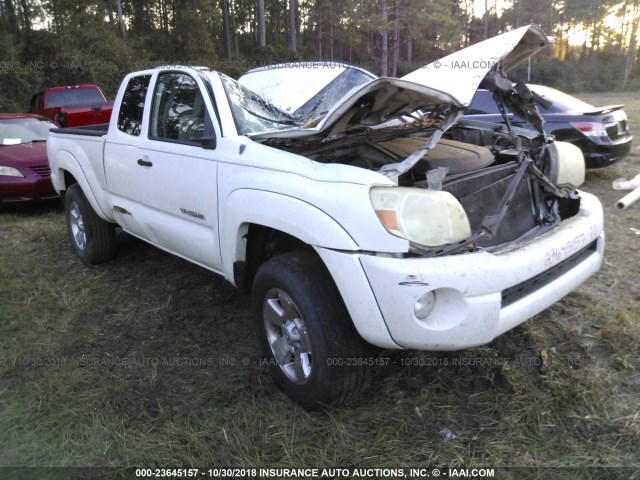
[309,342]
[93,239]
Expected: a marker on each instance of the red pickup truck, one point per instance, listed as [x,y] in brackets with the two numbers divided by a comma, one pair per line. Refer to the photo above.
[72,106]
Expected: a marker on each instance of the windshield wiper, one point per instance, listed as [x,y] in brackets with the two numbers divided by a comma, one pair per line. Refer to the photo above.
[312,111]
[272,120]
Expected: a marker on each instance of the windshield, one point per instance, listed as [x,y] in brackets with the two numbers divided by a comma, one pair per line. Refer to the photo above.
[307,90]
[290,86]
[252,113]
[15,131]
[73,97]
[324,100]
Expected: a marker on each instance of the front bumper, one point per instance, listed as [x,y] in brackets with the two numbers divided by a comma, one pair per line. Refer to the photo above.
[25,189]
[478,296]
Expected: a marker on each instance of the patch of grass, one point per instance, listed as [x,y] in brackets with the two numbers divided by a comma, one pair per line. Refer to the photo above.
[150,361]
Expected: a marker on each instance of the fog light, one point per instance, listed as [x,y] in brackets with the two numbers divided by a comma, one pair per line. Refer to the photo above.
[424,305]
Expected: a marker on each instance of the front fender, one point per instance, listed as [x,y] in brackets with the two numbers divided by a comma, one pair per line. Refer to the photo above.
[280,212]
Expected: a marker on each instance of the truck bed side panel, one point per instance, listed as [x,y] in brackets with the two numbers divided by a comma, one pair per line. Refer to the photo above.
[80,155]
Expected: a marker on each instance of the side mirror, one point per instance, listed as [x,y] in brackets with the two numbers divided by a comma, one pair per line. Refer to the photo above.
[208,140]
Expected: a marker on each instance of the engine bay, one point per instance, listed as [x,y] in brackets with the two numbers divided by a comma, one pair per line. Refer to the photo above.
[497,173]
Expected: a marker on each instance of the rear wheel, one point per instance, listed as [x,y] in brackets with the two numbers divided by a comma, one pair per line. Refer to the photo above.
[313,351]
[92,238]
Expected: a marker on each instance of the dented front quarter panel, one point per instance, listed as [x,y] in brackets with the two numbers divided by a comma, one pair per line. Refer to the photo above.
[469,287]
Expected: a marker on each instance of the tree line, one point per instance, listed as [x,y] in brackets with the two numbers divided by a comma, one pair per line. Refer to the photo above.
[59,42]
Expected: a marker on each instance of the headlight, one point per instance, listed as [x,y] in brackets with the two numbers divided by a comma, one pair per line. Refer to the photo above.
[428,218]
[566,167]
[10,172]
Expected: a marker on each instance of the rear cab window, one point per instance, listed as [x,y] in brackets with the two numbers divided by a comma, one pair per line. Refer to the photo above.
[132,105]
[74,97]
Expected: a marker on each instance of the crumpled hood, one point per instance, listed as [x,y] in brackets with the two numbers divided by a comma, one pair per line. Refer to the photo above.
[461,72]
[453,80]
[376,102]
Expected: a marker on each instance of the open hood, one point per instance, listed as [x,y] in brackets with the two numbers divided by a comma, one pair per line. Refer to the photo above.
[461,72]
[452,80]
[441,90]
[380,101]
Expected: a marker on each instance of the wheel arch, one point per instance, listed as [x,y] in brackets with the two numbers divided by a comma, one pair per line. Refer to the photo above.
[70,172]
[251,235]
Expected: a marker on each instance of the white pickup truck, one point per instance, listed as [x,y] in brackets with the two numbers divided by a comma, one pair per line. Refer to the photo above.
[382,220]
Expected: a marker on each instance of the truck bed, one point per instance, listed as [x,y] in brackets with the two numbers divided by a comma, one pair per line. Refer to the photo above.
[86,162]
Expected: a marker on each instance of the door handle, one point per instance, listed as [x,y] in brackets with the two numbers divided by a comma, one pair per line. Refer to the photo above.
[144,163]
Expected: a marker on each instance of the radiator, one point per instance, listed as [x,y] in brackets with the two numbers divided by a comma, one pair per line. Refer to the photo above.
[480,194]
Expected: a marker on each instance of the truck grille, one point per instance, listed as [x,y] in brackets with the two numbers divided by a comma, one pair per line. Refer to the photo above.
[480,194]
[515,293]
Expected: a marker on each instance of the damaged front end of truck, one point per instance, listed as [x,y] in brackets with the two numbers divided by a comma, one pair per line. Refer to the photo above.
[480,185]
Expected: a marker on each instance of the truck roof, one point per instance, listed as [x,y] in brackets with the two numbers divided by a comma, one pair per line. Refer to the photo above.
[182,67]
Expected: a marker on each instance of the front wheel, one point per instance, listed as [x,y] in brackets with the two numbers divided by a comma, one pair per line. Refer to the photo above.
[313,351]
[92,238]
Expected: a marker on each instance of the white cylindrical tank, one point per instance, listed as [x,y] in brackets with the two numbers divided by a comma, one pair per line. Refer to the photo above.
[629,199]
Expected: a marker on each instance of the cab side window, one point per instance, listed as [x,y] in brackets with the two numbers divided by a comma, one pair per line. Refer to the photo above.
[132,106]
[179,111]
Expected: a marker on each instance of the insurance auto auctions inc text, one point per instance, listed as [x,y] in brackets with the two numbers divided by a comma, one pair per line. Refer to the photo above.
[381,473]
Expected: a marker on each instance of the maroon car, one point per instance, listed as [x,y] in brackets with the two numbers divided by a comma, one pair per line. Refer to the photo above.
[24,168]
